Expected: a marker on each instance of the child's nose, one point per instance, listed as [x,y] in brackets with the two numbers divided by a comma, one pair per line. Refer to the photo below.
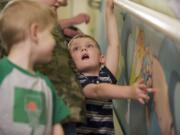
[83,49]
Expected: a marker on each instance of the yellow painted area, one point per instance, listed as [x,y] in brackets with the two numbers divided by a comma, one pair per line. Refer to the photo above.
[138,57]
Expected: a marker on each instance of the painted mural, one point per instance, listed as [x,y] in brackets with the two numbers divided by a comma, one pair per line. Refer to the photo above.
[150,55]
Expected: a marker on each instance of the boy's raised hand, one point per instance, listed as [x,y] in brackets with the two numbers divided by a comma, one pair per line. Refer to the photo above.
[139,92]
[113,48]
[110,4]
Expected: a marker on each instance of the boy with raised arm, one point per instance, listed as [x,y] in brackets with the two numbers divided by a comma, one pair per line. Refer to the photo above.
[96,76]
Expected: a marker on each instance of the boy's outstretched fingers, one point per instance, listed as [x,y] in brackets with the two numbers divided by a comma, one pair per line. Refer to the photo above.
[141,81]
[110,3]
[141,85]
[143,91]
[141,101]
[152,90]
[145,97]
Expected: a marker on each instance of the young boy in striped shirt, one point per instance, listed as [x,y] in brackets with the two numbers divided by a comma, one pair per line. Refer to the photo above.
[96,76]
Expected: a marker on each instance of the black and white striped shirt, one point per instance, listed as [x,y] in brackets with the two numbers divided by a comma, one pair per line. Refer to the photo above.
[99,111]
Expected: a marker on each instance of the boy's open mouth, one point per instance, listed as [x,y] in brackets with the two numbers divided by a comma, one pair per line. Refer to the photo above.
[85,56]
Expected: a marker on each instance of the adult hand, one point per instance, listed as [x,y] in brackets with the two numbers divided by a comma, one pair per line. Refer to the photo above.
[71,31]
[81,18]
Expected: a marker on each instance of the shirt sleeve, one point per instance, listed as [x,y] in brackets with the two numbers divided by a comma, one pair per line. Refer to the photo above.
[108,73]
[60,110]
[105,76]
[84,80]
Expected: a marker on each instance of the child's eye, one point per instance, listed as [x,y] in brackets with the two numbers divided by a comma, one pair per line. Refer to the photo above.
[75,49]
[90,46]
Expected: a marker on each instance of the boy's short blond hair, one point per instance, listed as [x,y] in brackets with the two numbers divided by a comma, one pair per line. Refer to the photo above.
[83,36]
[17,17]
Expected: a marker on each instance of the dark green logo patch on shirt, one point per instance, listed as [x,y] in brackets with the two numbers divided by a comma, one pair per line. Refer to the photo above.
[29,106]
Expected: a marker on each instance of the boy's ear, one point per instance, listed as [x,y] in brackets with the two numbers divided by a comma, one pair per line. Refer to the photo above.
[102,60]
[34,32]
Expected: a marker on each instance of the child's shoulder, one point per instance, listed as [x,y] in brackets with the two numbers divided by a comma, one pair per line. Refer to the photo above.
[105,71]
[43,76]
[5,68]
[4,65]
[106,75]
[3,60]
[46,79]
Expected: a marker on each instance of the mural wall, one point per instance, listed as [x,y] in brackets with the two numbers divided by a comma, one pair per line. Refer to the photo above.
[150,55]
